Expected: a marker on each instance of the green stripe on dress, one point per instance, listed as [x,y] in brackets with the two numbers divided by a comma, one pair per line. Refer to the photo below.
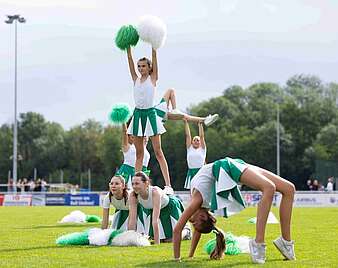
[173,209]
[190,175]
[233,168]
[126,171]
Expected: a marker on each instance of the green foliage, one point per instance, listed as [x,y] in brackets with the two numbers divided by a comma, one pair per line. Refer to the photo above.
[246,129]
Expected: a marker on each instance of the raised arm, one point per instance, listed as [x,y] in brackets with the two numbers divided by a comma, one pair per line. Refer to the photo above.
[154,74]
[125,143]
[156,215]
[201,134]
[105,218]
[187,133]
[131,65]
[132,212]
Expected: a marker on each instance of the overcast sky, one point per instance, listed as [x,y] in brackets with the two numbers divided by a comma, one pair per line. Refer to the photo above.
[69,69]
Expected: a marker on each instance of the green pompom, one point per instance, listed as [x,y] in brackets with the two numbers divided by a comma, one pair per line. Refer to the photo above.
[120,114]
[78,238]
[210,246]
[113,235]
[230,243]
[93,218]
[126,36]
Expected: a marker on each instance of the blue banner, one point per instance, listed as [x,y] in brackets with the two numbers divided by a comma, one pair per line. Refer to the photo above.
[55,199]
[82,200]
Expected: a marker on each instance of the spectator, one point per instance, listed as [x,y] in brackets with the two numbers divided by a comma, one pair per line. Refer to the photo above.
[315,185]
[309,185]
[329,186]
[31,185]
[43,185]
[18,186]
[25,185]
[38,186]
[10,185]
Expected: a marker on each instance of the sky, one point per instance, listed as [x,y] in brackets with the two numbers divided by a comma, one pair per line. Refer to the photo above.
[69,69]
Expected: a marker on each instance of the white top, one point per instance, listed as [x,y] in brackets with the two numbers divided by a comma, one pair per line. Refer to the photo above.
[116,203]
[129,157]
[203,182]
[196,157]
[146,157]
[144,93]
[329,186]
[149,202]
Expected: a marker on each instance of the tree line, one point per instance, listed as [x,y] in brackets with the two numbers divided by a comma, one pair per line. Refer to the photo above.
[308,110]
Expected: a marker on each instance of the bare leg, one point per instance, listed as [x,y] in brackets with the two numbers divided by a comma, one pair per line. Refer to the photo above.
[170,98]
[287,189]
[139,145]
[156,141]
[254,179]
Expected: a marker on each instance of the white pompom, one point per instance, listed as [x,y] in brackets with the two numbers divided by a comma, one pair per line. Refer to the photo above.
[99,237]
[75,216]
[130,238]
[152,30]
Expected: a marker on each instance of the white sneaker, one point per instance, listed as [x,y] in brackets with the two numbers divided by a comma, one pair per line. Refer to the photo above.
[177,112]
[257,251]
[168,190]
[210,119]
[186,233]
[285,247]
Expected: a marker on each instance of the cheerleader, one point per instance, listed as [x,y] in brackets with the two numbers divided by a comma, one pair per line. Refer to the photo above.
[127,169]
[169,99]
[196,152]
[146,121]
[118,197]
[163,210]
[215,187]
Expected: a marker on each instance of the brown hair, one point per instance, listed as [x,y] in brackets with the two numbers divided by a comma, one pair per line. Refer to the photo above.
[142,175]
[208,225]
[148,63]
[124,191]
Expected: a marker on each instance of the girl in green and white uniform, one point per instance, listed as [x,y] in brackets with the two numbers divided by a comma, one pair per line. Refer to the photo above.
[196,152]
[127,169]
[163,210]
[118,197]
[215,187]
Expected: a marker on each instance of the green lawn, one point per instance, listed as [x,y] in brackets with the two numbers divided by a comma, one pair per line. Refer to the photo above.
[27,239]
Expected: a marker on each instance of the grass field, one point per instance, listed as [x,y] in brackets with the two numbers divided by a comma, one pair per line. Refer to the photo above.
[27,239]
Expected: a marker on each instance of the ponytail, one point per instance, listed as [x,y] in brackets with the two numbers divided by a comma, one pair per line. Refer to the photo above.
[217,253]
[125,195]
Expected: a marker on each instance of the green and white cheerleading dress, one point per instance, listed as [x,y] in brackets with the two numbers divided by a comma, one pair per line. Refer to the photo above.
[171,210]
[195,160]
[147,118]
[218,184]
[127,169]
[120,217]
